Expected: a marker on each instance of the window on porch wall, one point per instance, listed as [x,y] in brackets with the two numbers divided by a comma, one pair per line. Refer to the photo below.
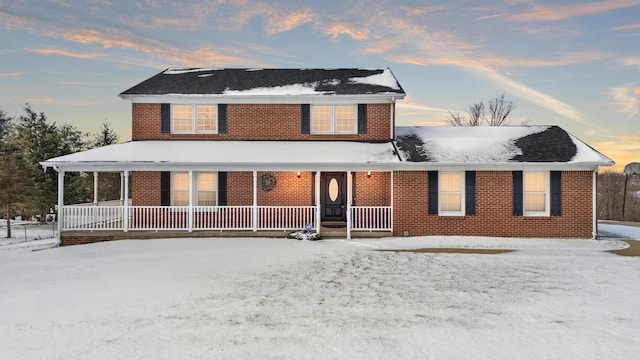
[204,189]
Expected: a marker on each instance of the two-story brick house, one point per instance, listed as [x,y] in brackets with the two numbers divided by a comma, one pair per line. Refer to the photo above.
[276,149]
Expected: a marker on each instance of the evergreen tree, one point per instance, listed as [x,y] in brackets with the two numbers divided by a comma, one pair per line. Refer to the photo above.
[13,179]
[108,183]
[39,140]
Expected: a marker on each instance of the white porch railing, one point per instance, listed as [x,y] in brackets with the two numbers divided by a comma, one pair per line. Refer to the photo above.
[285,217]
[87,217]
[222,217]
[371,218]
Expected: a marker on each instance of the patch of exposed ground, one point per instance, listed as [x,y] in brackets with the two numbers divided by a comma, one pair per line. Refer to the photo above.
[632,250]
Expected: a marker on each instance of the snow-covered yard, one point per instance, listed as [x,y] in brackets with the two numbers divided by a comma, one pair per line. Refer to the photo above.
[279,298]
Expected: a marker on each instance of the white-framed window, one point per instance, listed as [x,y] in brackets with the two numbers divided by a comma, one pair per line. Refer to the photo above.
[536,192]
[194,119]
[451,193]
[334,119]
[205,189]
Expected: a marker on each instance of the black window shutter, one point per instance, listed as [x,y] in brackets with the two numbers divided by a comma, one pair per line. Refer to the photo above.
[517,193]
[222,118]
[362,118]
[165,188]
[165,118]
[306,119]
[556,193]
[470,192]
[222,188]
[433,192]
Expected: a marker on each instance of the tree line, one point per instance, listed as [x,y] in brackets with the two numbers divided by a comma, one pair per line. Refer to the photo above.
[619,194]
[25,188]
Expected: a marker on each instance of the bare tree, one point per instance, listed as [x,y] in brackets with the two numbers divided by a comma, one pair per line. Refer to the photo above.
[610,195]
[499,110]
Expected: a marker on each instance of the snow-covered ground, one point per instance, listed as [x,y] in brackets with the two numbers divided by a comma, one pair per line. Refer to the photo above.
[280,298]
[23,231]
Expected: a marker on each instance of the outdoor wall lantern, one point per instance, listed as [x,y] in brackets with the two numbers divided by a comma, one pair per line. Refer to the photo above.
[368,174]
[298,173]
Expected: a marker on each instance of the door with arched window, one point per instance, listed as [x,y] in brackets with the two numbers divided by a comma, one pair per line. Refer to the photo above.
[334,197]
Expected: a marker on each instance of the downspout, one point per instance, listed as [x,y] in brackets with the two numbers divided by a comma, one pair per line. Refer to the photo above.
[594,209]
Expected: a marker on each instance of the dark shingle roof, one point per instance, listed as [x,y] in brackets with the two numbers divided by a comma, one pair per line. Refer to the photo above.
[217,81]
[551,145]
[486,144]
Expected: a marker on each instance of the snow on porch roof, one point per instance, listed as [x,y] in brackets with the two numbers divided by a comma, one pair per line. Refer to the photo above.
[241,155]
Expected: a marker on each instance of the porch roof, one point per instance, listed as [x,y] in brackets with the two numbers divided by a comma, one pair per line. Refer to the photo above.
[156,155]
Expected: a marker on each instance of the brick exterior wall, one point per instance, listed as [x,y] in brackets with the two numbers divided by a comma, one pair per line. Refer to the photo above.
[260,122]
[290,190]
[372,191]
[493,209]
[145,188]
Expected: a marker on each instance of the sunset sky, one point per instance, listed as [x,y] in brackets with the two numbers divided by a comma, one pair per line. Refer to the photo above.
[575,64]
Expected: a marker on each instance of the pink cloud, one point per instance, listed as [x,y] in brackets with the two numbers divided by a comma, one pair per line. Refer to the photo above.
[554,13]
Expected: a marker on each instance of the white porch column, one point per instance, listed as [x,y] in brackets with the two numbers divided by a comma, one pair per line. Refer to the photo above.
[60,201]
[125,215]
[190,214]
[318,202]
[254,210]
[95,188]
[122,189]
[391,220]
[349,195]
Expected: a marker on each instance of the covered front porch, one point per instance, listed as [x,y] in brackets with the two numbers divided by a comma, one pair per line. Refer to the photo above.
[171,199]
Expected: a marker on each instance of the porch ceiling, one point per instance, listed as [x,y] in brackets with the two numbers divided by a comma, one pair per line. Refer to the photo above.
[230,155]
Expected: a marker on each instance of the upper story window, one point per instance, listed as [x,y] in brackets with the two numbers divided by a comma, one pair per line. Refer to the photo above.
[451,188]
[194,118]
[536,193]
[333,119]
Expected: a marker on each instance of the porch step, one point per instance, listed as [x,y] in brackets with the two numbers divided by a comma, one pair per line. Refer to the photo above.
[334,224]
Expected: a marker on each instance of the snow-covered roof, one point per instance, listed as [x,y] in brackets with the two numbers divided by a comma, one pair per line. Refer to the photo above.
[495,145]
[268,82]
[231,155]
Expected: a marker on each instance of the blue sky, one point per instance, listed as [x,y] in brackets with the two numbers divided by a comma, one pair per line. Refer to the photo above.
[575,64]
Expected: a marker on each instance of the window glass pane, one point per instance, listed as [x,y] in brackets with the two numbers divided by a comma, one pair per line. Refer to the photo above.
[181,198]
[180,189]
[450,202]
[450,182]
[321,118]
[534,202]
[345,118]
[450,188]
[182,117]
[206,189]
[206,181]
[534,182]
[207,116]
[535,187]
[180,181]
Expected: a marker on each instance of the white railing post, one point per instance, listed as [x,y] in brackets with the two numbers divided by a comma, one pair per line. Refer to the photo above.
[391,210]
[61,217]
[190,214]
[349,205]
[254,209]
[125,215]
[317,208]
